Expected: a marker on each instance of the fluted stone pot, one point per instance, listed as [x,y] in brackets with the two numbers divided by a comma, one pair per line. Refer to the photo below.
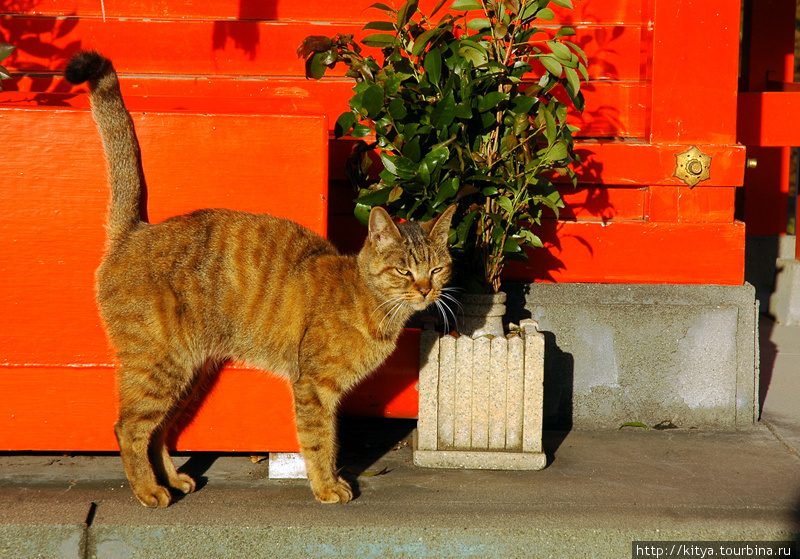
[481,400]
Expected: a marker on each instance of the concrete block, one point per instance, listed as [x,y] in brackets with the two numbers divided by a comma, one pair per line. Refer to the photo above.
[428,394]
[515,393]
[287,465]
[479,459]
[480,393]
[462,416]
[446,391]
[498,391]
[784,305]
[533,389]
[651,353]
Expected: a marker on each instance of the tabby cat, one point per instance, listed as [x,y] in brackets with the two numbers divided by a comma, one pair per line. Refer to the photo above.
[181,297]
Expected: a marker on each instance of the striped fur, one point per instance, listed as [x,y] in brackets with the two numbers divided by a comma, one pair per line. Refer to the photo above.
[182,297]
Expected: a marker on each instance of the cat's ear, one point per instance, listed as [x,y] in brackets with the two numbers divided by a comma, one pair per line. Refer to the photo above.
[438,229]
[382,230]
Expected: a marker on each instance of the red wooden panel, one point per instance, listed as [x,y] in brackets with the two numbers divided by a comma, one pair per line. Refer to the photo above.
[392,390]
[615,163]
[681,204]
[72,408]
[768,119]
[587,11]
[54,200]
[636,252]
[603,118]
[244,410]
[237,47]
[602,203]
[695,71]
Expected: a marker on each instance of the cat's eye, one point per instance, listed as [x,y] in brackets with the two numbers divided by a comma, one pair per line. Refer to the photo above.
[436,270]
[403,272]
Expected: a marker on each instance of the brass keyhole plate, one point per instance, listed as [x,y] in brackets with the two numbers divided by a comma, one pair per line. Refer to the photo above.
[692,166]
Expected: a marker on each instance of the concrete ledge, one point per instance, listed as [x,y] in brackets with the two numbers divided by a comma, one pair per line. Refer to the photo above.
[784,305]
[478,460]
[681,354]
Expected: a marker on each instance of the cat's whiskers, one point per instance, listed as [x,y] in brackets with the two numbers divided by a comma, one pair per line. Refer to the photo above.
[444,308]
[440,308]
[397,303]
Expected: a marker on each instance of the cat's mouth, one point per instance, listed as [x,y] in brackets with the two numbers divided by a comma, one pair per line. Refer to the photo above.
[421,304]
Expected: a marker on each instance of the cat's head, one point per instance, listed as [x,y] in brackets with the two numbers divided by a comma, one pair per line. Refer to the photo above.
[408,262]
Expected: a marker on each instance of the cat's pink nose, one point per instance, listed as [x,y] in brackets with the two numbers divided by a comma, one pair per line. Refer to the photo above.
[424,289]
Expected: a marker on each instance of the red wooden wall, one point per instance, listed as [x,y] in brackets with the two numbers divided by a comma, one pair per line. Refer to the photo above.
[226,118]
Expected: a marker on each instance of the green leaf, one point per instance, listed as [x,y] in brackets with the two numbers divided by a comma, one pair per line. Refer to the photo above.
[375,198]
[550,129]
[447,189]
[4,73]
[505,203]
[316,66]
[522,104]
[474,55]
[546,13]
[397,108]
[463,110]
[395,194]
[553,66]
[531,239]
[478,24]
[633,424]
[383,7]
[565,32]
[437,157]
[372,100]
[563,3]
[360,130]
[561,51]
[379,26]
[344,124]
[511,245]
[491,100]
[557,152]
[572,79]
[362,212]
[444,112]
[406,11]
[411,149]
[433,65]
[422,41]
[529,10]
[465,5]
[6,50]
[400,166]
[380,40]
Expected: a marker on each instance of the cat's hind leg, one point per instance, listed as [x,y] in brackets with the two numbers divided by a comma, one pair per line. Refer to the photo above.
[148,398]
[159,455]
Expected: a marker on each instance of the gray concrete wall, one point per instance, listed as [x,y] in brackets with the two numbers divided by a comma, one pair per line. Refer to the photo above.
[685,354]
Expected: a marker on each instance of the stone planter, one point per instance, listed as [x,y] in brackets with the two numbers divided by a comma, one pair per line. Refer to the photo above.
[480,401]
[482,314]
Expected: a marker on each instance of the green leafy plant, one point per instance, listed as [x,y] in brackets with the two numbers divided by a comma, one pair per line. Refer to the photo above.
[464,109]
[5,52]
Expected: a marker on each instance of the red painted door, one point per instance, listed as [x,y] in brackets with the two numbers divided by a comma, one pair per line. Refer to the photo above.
[663,78]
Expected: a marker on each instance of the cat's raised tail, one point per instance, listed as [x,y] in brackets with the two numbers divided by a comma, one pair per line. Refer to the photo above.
[119,139]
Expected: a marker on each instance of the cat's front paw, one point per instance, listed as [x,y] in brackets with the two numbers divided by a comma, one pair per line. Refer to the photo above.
[337,492]
[155,496]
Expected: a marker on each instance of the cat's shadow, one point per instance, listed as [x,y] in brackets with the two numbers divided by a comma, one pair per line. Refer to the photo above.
[365,440]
